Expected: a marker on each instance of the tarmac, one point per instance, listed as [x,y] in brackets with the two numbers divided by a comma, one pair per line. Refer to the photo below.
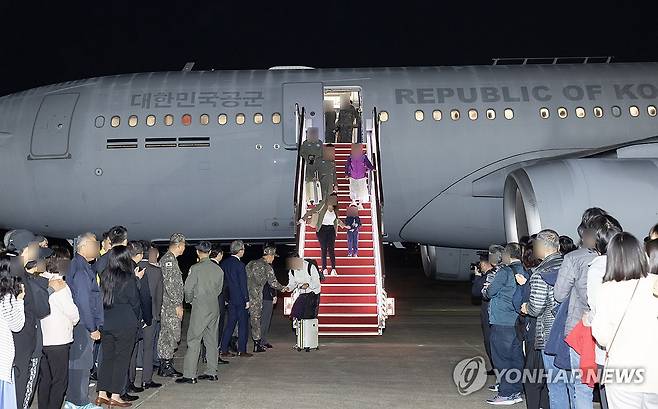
[410,366]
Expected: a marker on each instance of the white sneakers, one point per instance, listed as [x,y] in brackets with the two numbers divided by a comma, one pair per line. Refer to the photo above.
[333,272]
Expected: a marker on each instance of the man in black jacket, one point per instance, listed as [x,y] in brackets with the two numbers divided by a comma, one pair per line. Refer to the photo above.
[154,276]
[28,341]
[481,271]
[137,254]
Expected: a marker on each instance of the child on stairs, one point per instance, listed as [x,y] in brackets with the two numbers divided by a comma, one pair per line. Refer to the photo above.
[353,223]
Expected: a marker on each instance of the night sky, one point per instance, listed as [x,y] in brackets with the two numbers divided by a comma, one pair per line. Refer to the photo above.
[57,41]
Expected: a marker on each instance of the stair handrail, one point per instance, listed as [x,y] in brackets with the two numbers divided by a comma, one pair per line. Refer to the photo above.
[298,199]
[376,216]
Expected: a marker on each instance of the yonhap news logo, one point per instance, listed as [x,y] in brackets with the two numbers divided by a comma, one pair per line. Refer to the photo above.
[470,375]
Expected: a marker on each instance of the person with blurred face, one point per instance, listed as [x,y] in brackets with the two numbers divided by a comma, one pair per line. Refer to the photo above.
[542,304]
[625,323]
[87,297]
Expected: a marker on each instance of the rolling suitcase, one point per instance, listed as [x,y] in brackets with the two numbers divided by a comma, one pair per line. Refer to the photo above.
[307,334]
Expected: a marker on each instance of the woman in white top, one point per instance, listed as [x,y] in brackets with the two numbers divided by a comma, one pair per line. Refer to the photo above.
[303,276]
[12,319]
[326,227]
[57,330]
[625,322]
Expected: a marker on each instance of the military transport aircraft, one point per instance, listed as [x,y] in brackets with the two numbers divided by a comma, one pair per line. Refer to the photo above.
[468,155]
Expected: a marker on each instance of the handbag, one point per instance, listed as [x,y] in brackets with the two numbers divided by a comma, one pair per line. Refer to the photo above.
[607,350]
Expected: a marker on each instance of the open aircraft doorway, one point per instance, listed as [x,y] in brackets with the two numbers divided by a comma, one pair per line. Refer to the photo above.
[342,114]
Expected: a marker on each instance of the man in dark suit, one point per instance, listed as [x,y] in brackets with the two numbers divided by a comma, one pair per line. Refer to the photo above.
[154,276]
[238,311]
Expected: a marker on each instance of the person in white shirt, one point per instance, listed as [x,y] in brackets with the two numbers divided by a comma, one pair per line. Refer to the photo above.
[12,319]
[57,330]
[300,279]
[625,323]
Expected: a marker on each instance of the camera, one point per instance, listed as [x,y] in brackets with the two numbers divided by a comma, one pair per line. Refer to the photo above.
[475,266]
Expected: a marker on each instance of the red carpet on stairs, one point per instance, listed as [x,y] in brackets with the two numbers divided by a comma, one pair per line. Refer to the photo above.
[348,303]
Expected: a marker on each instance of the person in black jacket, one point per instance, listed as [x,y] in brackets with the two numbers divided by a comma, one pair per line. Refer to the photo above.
[28,341]
[481,270]
[136,251]
[123,312]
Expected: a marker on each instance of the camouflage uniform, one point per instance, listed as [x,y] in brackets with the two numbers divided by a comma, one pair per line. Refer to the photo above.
[345,123]
[172,297]
[327,177]
[308,149]
[259,272]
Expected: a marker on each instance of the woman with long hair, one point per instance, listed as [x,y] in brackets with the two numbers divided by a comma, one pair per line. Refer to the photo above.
[121,306]
[625,323]
[12,319]
[326,226]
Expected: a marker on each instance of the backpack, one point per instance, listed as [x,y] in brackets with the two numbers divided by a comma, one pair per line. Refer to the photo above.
[312,262]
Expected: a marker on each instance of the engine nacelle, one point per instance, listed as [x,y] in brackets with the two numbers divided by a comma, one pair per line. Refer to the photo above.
[555,194]
[444,263]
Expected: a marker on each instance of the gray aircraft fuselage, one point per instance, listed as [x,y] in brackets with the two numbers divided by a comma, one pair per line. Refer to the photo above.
[66,169]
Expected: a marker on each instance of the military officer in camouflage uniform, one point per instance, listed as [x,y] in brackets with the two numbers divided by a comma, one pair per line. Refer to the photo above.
[346,117]
[260,272]
[327,171]
[172,306]
[202,288]
[311,152]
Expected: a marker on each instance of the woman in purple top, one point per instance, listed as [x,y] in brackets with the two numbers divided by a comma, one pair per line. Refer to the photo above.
[357,168]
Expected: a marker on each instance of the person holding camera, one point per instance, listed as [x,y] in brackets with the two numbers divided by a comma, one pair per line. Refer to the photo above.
[481,269]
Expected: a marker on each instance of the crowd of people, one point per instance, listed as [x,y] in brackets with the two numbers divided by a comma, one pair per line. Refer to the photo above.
[561,320]
[116,306]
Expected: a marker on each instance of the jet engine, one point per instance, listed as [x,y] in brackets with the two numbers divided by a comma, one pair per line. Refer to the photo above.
[555,194]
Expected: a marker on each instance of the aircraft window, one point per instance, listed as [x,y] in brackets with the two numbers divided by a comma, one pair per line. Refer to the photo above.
[472,114]
[651,110]
[150,120]
[437,115]
[616,111]
[454,115]
[580,112]
[420,115]
[204,119]
[100,121]
[168,120]
[491,114]
[222,119]
[132,121]
[562,112]
[544,113]
[383,116]
[258,118]
[598,112]
[239,119]
[186,119]
[115,121]
[276,118]
[634,111]
[509,113]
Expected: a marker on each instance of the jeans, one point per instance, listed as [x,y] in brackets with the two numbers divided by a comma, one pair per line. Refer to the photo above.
[580,393]
[353,242]
[557,383]
[507,356]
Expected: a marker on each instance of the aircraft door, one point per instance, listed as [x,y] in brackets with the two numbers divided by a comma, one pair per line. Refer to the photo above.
[50,135]
[308,95]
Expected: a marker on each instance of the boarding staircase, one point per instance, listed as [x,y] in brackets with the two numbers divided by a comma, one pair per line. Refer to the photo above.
[354,303]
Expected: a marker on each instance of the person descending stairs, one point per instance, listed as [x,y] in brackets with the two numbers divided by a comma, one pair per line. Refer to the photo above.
[350,301]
